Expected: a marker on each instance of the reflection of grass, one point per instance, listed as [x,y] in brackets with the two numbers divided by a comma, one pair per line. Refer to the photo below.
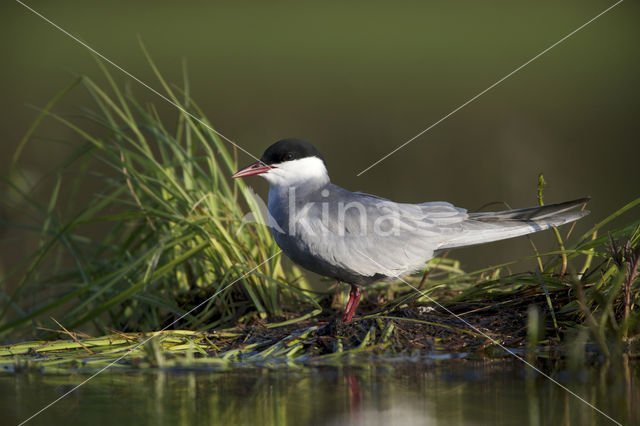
[455,392]
[175,236]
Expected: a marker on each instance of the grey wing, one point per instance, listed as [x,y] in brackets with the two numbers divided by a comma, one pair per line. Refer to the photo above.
[374,236]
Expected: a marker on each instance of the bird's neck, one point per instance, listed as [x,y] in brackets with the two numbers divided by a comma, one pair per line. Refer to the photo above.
[286,200]
[301,189]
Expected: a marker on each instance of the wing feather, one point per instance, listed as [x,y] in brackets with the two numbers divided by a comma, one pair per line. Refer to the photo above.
[374,236]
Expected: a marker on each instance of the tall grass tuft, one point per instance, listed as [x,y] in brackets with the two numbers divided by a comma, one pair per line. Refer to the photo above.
[170,223]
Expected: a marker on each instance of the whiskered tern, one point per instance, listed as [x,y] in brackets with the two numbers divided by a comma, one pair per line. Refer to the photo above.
[358,238]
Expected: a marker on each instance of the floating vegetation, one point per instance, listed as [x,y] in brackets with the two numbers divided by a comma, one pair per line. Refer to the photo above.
[257,346]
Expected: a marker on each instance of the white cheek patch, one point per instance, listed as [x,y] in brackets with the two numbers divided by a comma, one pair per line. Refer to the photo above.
[296,172]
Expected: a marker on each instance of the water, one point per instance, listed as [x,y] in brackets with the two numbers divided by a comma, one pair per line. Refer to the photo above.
[432,393]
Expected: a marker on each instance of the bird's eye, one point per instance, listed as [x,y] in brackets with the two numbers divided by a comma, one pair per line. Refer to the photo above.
[288,156]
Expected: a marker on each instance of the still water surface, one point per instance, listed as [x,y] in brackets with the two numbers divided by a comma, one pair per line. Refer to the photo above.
[433,393]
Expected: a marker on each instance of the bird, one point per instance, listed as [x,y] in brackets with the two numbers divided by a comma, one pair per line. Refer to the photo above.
[359,239]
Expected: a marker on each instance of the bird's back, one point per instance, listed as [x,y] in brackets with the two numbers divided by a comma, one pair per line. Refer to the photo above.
[356,237]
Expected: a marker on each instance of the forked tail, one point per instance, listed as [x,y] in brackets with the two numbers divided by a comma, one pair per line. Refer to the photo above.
[485,227]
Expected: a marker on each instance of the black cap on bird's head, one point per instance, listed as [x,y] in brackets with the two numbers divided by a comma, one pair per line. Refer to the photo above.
[289,149]
[284,150]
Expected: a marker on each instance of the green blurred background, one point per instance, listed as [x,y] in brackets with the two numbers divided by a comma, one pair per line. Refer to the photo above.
[359,79]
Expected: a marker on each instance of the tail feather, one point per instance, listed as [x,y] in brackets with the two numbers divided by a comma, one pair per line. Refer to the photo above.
[531,213]
[485,227]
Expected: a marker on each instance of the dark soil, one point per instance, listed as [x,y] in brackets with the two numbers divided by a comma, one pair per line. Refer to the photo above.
[415,330]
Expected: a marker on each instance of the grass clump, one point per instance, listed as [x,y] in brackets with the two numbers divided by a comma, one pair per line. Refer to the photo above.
[164,233]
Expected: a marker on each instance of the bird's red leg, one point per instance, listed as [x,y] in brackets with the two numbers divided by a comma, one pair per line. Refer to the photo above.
[354,298]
